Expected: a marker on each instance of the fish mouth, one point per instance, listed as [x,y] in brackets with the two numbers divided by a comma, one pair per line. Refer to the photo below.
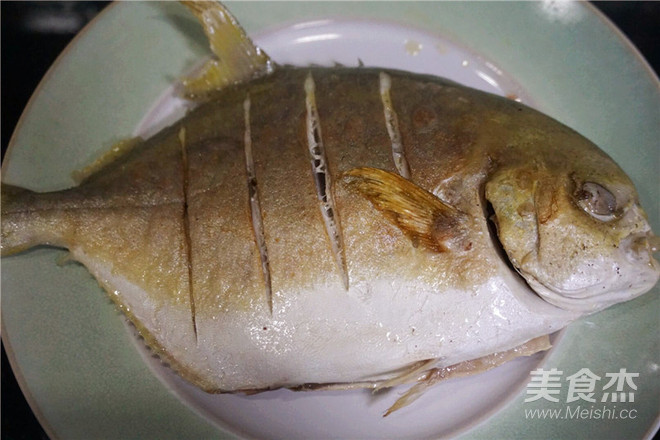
[639,248]
[654,244]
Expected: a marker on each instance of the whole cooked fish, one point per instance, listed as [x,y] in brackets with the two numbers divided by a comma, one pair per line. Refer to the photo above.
[336,227]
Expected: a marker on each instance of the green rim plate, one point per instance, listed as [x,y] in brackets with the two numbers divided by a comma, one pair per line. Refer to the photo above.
[66,342]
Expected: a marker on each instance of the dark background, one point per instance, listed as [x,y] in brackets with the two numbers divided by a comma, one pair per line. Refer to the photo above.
[34,34]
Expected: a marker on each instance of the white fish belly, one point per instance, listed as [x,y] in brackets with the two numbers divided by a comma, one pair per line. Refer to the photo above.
[330,335]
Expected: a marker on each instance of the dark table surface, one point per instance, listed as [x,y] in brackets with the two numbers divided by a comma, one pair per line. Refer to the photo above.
[34,34]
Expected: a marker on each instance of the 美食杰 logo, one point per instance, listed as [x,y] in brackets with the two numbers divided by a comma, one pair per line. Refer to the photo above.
[590,396]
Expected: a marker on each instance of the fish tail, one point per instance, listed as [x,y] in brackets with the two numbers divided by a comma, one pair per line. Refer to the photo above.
[24,224]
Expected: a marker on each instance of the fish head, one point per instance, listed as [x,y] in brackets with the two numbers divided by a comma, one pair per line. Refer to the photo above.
[574,229]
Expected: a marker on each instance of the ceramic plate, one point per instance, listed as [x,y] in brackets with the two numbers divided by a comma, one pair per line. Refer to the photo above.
[87,376]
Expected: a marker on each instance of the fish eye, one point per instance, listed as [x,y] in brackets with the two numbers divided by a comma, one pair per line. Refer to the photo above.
[597,201]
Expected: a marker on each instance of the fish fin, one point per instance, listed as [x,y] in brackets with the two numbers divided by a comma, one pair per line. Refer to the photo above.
[410,374]
[237,58]
[468,368]
[118,150]
[423,217]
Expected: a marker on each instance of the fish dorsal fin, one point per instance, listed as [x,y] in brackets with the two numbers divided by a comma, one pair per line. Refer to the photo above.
[118,150]
[237,59]
[423,217]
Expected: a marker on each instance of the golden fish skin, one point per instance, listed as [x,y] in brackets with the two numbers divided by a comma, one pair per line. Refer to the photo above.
[257,243]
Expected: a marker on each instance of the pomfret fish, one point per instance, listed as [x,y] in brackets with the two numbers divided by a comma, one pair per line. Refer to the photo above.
[338,228]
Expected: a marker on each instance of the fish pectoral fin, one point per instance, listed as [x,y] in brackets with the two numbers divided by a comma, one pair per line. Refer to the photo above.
[237,58]
[423,217]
